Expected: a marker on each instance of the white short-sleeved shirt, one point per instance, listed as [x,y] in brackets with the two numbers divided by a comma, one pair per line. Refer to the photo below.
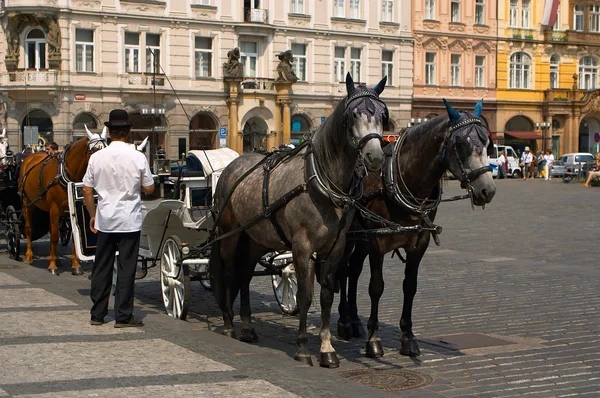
[117,173]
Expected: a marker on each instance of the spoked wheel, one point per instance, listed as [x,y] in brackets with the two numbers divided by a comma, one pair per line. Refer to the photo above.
[13,235]
[64,229]
[174,279]
[285,288]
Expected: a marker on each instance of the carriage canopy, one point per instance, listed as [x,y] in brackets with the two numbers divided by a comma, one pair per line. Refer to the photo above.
[209,161]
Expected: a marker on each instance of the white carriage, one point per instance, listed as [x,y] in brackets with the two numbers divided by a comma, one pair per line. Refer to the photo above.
[176,218]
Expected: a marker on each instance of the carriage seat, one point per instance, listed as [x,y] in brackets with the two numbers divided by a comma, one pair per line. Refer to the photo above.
[192,168]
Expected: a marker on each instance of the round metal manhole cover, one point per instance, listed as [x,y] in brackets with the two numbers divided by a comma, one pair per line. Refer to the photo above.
[389,379]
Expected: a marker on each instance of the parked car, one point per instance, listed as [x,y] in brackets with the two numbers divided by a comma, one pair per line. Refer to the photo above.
[513,161]
[575,161]
[558,168]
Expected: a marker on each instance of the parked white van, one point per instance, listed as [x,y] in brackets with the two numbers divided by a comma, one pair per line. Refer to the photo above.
[513,161]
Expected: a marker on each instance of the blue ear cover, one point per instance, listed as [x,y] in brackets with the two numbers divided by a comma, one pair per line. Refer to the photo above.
[452,113]
[349,83]
[478,108]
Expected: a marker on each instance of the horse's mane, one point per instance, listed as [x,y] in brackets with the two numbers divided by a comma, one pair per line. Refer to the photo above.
[326,142]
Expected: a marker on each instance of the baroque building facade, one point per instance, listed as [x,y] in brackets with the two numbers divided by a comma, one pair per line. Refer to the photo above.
[455,56]
[172,65]
[548,76]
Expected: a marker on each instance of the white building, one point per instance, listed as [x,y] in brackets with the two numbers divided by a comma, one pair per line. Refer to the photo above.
[70,62]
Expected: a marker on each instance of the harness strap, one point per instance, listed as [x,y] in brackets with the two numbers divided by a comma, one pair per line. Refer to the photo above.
[265,197]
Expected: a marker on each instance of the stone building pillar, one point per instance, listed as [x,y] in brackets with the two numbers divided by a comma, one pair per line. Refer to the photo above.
[275,139]
[234,139]
[284,98]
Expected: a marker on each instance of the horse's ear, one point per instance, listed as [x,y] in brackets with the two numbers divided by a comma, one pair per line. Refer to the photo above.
[349,83]
[104,131]
[452,113]
[143,145]
[478,108]
[380,86]
[89,133]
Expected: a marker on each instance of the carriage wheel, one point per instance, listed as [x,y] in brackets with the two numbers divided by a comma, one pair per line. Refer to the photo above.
[14,234]
[174,279]
[285,288]
[64,230]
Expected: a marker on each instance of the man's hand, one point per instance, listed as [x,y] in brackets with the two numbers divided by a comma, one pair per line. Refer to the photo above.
[92,222]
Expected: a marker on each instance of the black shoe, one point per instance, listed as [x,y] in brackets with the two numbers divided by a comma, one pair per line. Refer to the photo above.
[133,322]
[96,322]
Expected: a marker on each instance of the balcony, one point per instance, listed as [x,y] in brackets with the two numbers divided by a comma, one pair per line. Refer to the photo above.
[564,95]
[258,84]
[33,77]
[256,15]
[555,35]
[143,79]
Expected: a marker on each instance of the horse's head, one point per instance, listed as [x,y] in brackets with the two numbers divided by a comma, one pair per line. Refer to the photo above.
[366,115]
[466,148]
[96,142]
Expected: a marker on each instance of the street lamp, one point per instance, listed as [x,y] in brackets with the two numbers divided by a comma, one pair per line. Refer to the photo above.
[544,126]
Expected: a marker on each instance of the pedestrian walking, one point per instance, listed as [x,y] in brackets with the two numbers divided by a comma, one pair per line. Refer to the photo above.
[501,164]
[526,161]
[540,163]
[118,174]
[549,158]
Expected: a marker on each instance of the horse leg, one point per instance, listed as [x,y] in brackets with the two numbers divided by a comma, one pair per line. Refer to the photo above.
[28,233]
[254,254]
[356,263]
[376,285]
[75,266]
[220,283]
[410,346]
[344,325]
[54,236]
[305,272]
[328,356]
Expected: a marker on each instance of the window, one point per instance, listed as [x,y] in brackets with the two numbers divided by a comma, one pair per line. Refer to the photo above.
[455,70]
[514,13]
[339,63]
[595,18]
[387,66]
[429,9]
[480,12]
[455,11]
[152,53]
[297,6]
[203,56]
[355,9]
[387,10]
[430,68]
[525,13]
[132,52]
[479,71]
[202,2]
[338,8]
[299,64]
[355,64]
[588,73]
[554,60]
[84,50]
[557,21]
[578,18]
[520,68]
[249,57]
[35,46]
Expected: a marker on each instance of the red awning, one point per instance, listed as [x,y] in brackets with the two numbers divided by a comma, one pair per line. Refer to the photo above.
[524,135]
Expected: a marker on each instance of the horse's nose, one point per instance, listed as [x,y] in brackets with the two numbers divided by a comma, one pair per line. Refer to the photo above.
[369,157]
[488,194]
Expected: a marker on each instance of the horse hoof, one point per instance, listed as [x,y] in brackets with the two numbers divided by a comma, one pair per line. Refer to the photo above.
[374,349]
[28,261]
[229,333]
[329,360]
[358,329]
[53,271]
[249,336]
[344,331]
[305,359]
[76,271]
[410,348]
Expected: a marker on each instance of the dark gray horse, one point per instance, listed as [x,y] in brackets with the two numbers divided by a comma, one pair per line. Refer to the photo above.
[409,195]
[313,190]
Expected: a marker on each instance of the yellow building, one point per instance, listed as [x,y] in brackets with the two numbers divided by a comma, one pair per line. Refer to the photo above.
[548,76]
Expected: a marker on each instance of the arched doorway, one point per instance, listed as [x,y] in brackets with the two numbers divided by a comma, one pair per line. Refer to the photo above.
[255,135]
[40,121]
[79,123]
[203,132]
[519,132]
[588,127]
[301,127]
[152,126]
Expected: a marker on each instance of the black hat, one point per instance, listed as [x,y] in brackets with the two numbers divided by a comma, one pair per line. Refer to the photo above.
[118,118]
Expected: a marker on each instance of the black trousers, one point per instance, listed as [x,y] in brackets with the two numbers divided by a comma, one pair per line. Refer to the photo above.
[128,244]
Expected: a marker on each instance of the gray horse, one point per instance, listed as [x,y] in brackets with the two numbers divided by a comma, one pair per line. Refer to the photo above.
[411,177]
[303,200]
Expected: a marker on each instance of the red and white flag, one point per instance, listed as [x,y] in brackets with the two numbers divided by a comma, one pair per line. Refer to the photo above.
[550,11]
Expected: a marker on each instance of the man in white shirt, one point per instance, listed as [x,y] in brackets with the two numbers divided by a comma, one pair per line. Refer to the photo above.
[119,174]
[501,165]
[549,158]
[526,159]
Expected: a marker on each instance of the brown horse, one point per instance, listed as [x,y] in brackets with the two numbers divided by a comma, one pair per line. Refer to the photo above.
[42,184]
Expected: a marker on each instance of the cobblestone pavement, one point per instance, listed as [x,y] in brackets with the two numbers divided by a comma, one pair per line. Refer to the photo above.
[524,271]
